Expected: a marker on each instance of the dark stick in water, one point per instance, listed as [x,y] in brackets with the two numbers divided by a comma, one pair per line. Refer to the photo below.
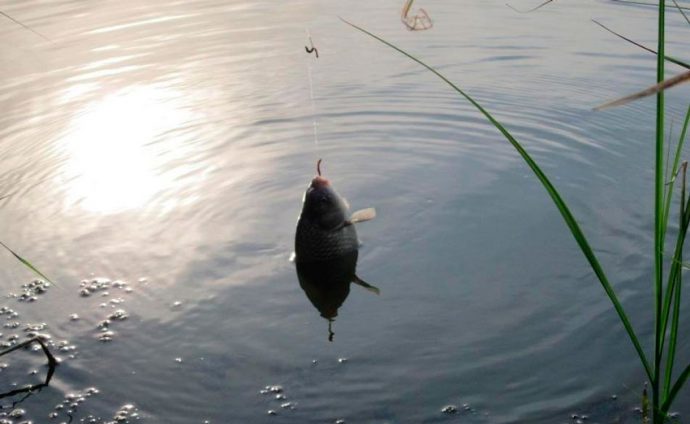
[52,363]
[530,10]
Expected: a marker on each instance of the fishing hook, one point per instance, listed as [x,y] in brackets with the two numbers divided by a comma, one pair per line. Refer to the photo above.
[312,49]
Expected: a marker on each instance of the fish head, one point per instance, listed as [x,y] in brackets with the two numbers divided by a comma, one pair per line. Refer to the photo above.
[322,204]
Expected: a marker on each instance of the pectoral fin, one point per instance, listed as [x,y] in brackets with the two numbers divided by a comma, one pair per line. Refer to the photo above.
[362,215]
[366,285]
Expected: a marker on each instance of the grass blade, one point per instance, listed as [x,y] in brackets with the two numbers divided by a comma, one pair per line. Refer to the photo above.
[655,89]
[553,193]
[659,212]
[674,171]
[673,337]
[669,58]
[676,269]
[26,263]
[676,388]
[676,291]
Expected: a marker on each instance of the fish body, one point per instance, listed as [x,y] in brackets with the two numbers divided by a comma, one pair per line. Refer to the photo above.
[324,229]
[314,243]
[327,247]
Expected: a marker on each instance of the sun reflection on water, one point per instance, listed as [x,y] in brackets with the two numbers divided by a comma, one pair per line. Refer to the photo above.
[113,147]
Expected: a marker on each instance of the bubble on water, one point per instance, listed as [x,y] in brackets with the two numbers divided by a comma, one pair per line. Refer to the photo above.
[125,413]
[13,324]
[176,304]
[119,315]
[32,290]
[271,412]
[342,360]
[74,317]
[280,396]
[340,421]
[106,336]
[178,360]
[449,409]
[65,346]
[17,413]
[287,405]
[274,389]
[119,284]
[71,404]
[36,327]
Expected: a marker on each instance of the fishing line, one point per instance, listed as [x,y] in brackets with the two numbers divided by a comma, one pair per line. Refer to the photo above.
[311,90]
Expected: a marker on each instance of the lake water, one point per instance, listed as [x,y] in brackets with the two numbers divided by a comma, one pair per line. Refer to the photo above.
[167,144]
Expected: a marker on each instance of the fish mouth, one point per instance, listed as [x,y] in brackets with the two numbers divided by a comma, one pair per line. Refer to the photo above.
[320,182]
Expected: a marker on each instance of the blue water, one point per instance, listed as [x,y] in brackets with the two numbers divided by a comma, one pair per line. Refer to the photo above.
[167,145]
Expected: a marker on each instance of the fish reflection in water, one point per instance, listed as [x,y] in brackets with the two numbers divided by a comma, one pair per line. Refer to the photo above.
[327,284]
[326,248]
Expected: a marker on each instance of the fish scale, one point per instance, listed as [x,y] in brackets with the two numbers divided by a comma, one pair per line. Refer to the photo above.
[312,243]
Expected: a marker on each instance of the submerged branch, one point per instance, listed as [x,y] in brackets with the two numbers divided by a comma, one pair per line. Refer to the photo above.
[52,363]
[529,10]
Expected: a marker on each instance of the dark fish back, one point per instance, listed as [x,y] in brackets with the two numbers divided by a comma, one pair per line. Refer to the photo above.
[313,243]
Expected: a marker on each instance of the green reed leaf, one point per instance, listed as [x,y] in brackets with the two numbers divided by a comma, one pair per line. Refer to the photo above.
[682,379]
[26,263]
[551,190]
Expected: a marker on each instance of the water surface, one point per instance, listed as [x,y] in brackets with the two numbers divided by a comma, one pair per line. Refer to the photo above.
[167,144]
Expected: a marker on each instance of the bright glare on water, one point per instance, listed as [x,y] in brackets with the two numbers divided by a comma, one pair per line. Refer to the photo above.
[154,156]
